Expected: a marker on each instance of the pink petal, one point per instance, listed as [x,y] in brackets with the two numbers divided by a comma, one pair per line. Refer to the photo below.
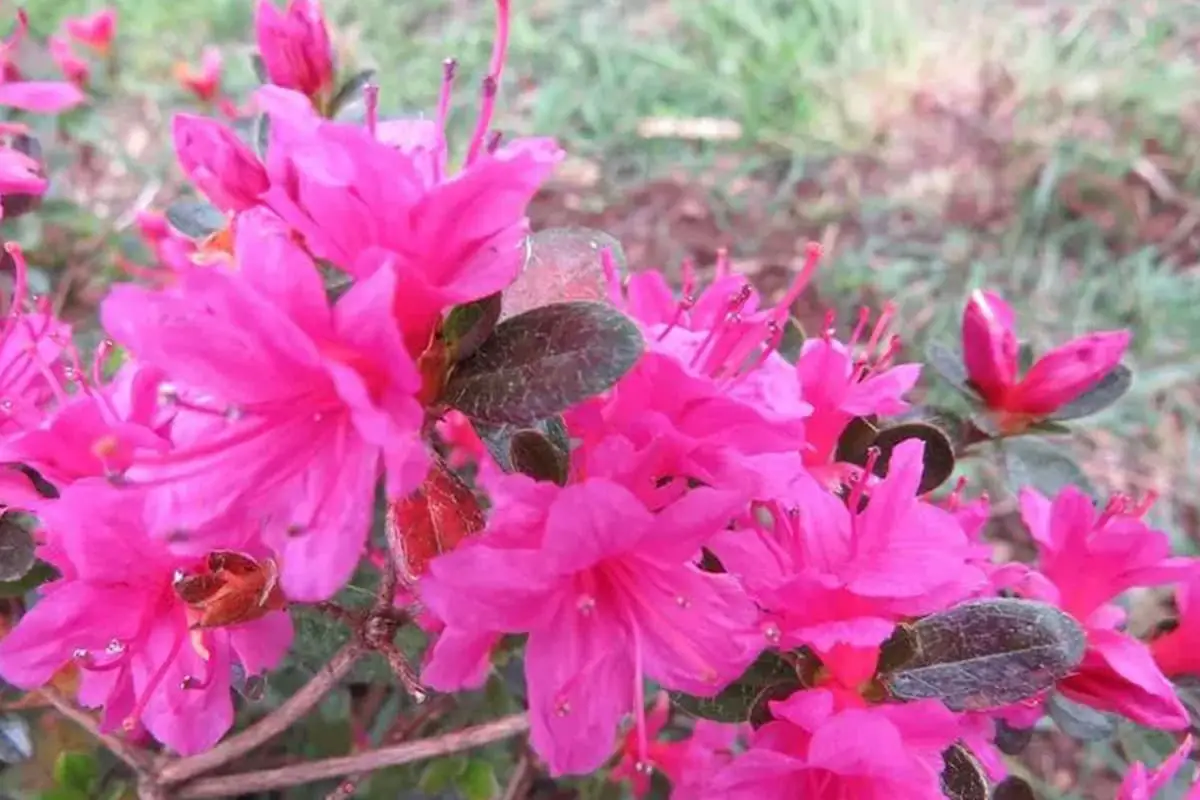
[260,645]
[1065,373]
[40,97]
[592,521]
[459,659]
[1118,674]
[989,345]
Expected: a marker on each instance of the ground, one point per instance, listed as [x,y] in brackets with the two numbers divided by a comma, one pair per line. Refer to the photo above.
[1045,149]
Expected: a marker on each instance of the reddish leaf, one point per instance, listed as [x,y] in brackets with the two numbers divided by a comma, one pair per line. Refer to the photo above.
[564,264]
[230,589]
[433,520]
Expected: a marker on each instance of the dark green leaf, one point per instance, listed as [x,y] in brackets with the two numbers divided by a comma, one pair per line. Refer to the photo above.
[350,90]
[962,777]
[856,439]
[76,770]
[1108,391]
[498,438]
[1025,357]
[1046,428]
[982,654]
[948,363]
[1032,461]
[468,326]
[760,707]
[1080,722]
[40,573]
[195,219]
[938,463]
[793,340]
[1011,741]
[260,135]
[478,781]
[16,548]
[1013,788]
[532,453]
[441,774]
[16,744]
[259,67]
[563,264]
[736,702]
[544,361]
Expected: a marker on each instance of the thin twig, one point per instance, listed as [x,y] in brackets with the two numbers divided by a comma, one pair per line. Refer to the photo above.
[268,727]
[140,761]
[518,784]
[249,782]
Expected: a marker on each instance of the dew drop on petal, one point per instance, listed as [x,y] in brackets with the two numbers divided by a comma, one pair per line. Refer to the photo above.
[115,647]
[682,601]
[79,654]
[772,632]
[562,707]
[586,604]
[644,768]
[233,413]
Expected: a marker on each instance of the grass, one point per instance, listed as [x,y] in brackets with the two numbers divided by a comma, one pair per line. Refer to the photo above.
[925,101]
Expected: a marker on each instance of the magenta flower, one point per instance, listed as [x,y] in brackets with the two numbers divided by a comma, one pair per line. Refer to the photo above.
[1086,560]
[828,575]
[96,30]
[218,162]
[813,750]
[990,353]
[116,614]
[608,593]
[1177,652]
[1143,784]
[40,97]
[284,403]
[295,46]
[20,174]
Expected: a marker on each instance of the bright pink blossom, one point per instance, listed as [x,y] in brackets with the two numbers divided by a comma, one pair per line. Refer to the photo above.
[813,750]
[294,46]
[1141,783]
[96,30]
[115,614]
[991,352]
[73,68]
[1177,652]
[40,97]
[1087,558]
[218,162]
[608,593]
[20,173]
[284,403]
[828,575]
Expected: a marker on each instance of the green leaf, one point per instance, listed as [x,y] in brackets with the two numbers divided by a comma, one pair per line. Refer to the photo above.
[16,548]
[498,438]
[1080,722]
[468,326]
[532,453]
[260,135]
[736,702]
[1032,461]
[962,777]
[857,437]
[544,361]
[1013,788]
[16,743]
[793,340]
[982,654]
[478,781]
[40,573]
[350,90]
[195,219]
[947,362]
[76,770]
[938,459]
[1012,741]
[562,264]
[1109,390]
[1025,357]
[259,67]
[441,774]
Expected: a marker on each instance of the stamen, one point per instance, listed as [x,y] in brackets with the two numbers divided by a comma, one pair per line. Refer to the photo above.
[493,142]
[371,98]
[639,697]
[611,275]
[864,316]
[152,685]
[954,499]
[449,66]
[491,83]
[812,258]
[723,267]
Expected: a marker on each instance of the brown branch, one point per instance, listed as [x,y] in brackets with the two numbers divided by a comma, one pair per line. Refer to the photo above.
[140,761]
[248,782]
[270,726]
[518,784]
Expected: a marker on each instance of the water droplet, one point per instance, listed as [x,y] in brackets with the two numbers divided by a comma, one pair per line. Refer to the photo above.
[418,695]
[586,604]
[6,406]
[644,768]
[318,416]
[80,654]
[255,688]
[115,647]
[682,601]
[190,682]
[178,575]
[233,413]
[69,373]
[772,632]
[562,707]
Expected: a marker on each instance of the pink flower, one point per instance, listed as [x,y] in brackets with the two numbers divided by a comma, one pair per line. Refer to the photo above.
[813,750]
[1086,560]
[830,576]
[1143,784]
[459,435]
[990,353]
[73,68]
[1177,652]
[116,614]
[218,162]
[206,82]
[294,46]
[284,403]
[608,593]
[20,173]
[40,97]
[96,30]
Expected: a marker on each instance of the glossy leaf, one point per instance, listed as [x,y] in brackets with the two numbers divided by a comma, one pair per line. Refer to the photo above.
[1032,461]
[1080,722]
[498,438]
[563,264]
[1013,788]
[738,700]
[349,91]
[938,464]
[40,573]
[544,361]
[532,453]
[16,741]
[982,654]
[468,326]
[947,362]
[857,437]
[16,547]
[433,520]
[962,777]
[195,219]
[1109,390]
[76,770]
[1012,741]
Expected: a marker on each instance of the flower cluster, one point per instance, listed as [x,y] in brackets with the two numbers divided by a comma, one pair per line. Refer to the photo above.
[671,501]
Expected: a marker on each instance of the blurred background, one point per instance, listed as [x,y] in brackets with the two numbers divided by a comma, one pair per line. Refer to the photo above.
[1044,148]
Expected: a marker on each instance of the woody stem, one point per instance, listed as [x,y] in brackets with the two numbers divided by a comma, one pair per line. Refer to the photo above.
[139,760]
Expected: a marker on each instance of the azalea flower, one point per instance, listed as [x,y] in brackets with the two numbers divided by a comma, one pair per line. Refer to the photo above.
[294,46]
[96,30]
[1087,558]
[37,97]
[73,68]
[218,162]
[1177,652]
[608,593]
[144,654]
[1141,783]
[284,402]
[990,353]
